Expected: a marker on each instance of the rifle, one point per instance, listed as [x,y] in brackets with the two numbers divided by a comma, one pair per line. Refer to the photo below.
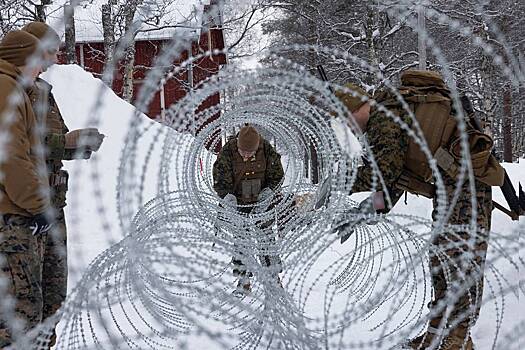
[516,202]
[324,78]
[324,189]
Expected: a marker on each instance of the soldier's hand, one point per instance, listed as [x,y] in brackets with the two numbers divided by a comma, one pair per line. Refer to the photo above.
[89,139]
[345,224]
[40,224]
[230,200]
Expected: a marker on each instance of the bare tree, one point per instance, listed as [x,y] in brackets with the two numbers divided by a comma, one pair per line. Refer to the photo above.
[15,13]
[70,37]
[385,35]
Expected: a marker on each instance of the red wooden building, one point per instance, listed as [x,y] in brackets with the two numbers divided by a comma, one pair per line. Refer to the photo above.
[90,55]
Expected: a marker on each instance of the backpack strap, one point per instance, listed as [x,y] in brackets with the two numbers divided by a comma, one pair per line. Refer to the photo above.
[409,182]
[426,98]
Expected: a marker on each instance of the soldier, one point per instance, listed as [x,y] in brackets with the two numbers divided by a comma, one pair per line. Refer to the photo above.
[456,257]
[247,170]
[24,191]
[61,144]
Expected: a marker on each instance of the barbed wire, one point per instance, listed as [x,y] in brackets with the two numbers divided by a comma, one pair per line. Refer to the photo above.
[167,283]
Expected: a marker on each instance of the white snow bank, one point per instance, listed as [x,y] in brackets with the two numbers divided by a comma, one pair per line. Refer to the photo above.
[92,203]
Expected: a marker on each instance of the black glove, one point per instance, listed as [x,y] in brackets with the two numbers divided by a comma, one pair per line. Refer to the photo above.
[353,217]
[229,202]
[323,196]
[263,200]
[40,224]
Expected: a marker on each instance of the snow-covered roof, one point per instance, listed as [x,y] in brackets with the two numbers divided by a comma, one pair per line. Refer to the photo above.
[173,17]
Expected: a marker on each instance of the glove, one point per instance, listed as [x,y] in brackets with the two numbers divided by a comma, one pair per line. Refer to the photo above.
[266,193]
[323,197]
[263,200]
[230,200]
[303,202]
[89,139]
[40,224]
[354,217]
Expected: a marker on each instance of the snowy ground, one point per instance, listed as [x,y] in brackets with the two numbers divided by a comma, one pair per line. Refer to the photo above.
[92,210]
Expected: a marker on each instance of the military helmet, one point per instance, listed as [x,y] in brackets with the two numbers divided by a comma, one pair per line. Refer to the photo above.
[353,103]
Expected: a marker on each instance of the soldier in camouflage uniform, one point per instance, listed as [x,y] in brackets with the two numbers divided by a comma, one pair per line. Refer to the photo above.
[60,145]
[24,200]
[452,258]
[246,169]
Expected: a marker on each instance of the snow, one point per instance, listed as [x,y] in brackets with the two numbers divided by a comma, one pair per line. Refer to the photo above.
[77,94]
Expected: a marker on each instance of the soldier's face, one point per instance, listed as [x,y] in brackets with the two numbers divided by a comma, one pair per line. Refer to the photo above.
[246,154]
[362,115]
[50,58]
[31,72]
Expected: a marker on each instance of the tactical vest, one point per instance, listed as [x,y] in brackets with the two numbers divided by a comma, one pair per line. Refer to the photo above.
[47,112]
[249,176]
[428,98]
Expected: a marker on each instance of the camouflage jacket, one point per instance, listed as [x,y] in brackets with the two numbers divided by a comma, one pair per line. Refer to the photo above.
[389,145]
[232,175]
[47,111]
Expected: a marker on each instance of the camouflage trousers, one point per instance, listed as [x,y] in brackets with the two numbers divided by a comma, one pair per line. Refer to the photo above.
[270,261]
[21,275]
[457,258]
[34,273]
[54,271]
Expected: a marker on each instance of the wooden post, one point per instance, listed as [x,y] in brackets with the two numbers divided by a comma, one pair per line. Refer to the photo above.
[82,59]
[162,101]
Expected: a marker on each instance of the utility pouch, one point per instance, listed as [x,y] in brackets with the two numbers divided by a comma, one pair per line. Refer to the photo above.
[59,185]
[485,167]
[250,190]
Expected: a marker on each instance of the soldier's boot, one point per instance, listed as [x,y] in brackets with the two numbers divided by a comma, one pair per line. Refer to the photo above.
[457,339]
[52,339]
[279,281]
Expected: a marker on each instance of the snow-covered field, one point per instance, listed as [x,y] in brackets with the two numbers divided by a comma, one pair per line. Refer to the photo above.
[92,210]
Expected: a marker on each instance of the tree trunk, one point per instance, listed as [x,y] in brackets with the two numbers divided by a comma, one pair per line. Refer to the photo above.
[129,55]
[40,13]
[108,29]
[370,29]
[41,10]
[129,68]
[507,125]
[422,45]
[69,19]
